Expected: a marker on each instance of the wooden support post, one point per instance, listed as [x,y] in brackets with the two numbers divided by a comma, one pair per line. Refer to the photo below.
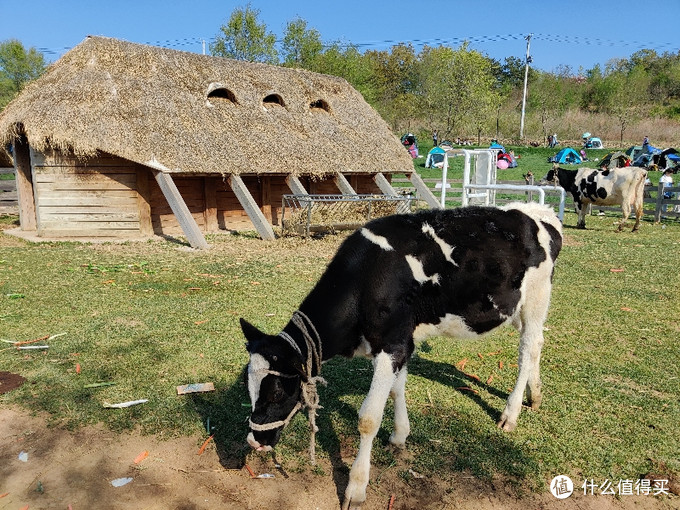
[384,185]
[295,185]
[250,207]
[144,202]
[343,185]
[423,190]
[266,198]
[180,210]
[25,194]
[210,197]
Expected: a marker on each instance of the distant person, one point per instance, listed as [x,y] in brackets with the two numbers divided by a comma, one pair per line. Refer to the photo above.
[555,142]
[550,141]
[645,141]
[435,138]
[667,180]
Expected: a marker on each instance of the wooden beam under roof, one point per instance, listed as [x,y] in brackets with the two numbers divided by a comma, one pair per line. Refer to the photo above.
[180,210]
[249,205]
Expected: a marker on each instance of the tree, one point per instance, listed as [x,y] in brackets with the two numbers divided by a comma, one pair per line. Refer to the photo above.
[244,38]
[457,88]
[17,67]
[300,44]
[395,79]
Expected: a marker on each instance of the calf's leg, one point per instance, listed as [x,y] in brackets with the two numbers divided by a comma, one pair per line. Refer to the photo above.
[532,318]
[370,418]
[625,210]
[401,423]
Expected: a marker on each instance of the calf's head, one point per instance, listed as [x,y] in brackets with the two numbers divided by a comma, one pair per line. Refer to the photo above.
[274,378]
[551,176]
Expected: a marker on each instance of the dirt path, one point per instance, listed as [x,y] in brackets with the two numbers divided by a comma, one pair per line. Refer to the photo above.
[74,469]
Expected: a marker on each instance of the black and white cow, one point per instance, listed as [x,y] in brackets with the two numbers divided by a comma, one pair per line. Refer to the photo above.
[614,186]
[400,279]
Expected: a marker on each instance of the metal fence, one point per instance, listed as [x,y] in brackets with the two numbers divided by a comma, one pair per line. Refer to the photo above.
[304,214]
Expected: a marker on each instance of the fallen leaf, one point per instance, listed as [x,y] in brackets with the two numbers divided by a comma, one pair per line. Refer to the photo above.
[614,270]
[488,381]
[204,446]
[461,363]
[626,309]
[139,458]
[466,388]
[77,368]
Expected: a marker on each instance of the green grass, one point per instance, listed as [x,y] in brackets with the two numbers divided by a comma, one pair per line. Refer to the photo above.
[151,316]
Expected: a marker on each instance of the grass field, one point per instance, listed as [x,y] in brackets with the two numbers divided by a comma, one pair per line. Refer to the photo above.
[151,316]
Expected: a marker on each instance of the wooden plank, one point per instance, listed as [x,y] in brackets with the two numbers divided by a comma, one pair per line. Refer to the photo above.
[110,233]
[92,225]
[250,206]
[65,195]
[143,201]
[424,191]
[28,219]
[295,185]
[265,198]
[180,210]
[68,217]
[343,185]
[384,185]
[210,185]
[101,201]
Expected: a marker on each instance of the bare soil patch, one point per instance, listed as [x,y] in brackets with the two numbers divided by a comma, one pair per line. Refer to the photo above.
[77,467]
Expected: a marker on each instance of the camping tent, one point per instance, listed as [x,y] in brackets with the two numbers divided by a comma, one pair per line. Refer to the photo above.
[435,158]
[595,143]
[634,151]
[615,159]
[566,156]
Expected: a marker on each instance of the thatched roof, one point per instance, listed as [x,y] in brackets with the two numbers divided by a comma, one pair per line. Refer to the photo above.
[184,112]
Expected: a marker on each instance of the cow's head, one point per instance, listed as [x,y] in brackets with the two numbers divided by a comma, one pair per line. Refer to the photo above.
[274,377]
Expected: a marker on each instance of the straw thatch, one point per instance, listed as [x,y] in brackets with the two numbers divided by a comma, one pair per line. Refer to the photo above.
[151,105]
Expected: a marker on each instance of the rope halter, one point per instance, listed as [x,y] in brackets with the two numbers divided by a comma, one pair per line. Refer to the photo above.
[309,396]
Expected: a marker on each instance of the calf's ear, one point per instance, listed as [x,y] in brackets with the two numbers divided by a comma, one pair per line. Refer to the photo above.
[250,332]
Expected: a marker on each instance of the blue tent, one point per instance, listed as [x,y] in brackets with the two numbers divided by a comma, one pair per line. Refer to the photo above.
[435,158]
[567,156]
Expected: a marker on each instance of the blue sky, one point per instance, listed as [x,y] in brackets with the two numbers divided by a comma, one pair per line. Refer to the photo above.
[575,33]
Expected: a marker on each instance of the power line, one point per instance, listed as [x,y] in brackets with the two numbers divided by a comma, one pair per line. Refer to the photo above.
[665,46]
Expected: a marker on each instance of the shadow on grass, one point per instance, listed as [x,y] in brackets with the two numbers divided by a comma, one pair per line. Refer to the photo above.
[476,448]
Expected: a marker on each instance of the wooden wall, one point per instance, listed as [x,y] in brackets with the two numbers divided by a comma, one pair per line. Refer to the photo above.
[95,199]
[108,196]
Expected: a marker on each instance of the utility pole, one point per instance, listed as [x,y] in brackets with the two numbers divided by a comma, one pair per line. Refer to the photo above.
[526,78]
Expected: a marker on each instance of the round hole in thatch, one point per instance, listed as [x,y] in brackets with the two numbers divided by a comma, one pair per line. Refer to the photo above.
[273,99]
[222,94]
[320,104]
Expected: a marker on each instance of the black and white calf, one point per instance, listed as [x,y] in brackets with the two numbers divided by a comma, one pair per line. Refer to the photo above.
[622,186]
[459,272]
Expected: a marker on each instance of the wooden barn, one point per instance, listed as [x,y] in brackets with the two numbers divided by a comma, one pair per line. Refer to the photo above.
[119,139]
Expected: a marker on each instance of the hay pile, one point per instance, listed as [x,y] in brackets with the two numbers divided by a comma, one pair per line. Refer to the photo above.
[151,105]
[341,214]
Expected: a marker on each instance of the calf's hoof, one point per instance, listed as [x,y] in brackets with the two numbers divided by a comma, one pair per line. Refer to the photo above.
[505,424]
[353,502]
